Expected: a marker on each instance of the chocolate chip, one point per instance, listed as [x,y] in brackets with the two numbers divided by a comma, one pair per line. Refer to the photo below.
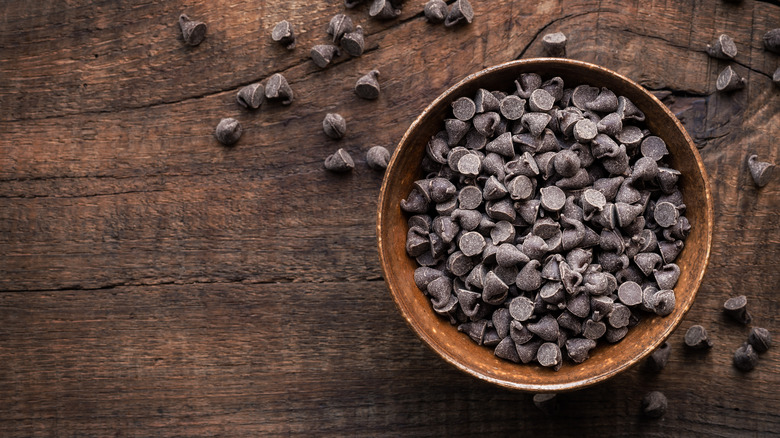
[664,302]
[552,198]
[486,123]
[251,96]
[339,161]
[508,254]
[540,101]
[277,88]
[665,214]
[606,101]
[283,34]
[760,339]
[729,80]
[667,276]
[629,111]
[367,87]
[463,109]
[503,232]
[354,42]
[555,44]
[654,147]
[745,358]
[772,40]
[469,165]
[760,171]
[546,403]
[529,278]
[546,328]
[535,122]
[471,243]
[377,158]
[566,163]
[512,107]
[582,95]
[506,350]
[435,11]
[334,126]
[521,308]
[383,10]
[578,349]
[723,48]
[338,26]
[228,131]
[502,144]
[696,337]
[460,12]
[630,293]
[475,330]
[193,32]
[549,355]
[593,330]
[660,357]
[736,308]
[485,101]
[654,404]
[459,264]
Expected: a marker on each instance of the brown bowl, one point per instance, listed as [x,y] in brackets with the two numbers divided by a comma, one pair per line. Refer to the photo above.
[606,360]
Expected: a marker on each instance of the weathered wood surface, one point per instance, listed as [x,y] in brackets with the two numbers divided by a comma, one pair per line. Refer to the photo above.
[154,283]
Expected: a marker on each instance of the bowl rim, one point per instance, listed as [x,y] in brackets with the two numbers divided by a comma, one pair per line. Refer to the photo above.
[588,381]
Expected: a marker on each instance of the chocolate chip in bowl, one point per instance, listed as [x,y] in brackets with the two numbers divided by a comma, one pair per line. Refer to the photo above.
[561,252]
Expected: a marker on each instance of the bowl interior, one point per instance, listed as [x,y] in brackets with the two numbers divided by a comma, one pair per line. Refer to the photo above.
[457,348]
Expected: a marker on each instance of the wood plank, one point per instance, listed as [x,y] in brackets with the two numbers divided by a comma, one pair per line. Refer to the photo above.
[331,358]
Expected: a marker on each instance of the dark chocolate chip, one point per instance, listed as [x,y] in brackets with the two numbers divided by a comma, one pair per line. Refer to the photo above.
[283,34]
[729,80]
[745,358]
[334,125]
[722,48]
[193,32]
[460,12]
[555,44]
[736,308]
[228,131]
[278,88]
[377,157]
[654,404]
[549,355]
[251,96]
[354,42]
[435,11]
[760,339]
[760,171]
[338,26]
[367,86]
[696,337]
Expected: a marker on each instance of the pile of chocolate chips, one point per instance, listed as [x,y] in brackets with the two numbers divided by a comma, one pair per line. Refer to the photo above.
[548,220]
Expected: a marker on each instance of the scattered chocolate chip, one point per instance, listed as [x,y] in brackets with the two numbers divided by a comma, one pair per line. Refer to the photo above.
[334,125]
[377,158]
[736,308]
[696,337]
[323,54]
[435,11]
[654,404]
[660,357]
[729,80]
[228,131]
[278,88]
[460,12]
[283,34]
[383,10]
[194,32]
[353,42]
[760,339]
[760,171]
[339,25]
[367,87]
[722,48]
[339,161]
[251,96]
[745,358]
[664,302]
[772,40]
[555,44]
[546,403]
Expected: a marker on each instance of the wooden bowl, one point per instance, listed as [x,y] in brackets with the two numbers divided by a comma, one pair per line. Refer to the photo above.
[457,348]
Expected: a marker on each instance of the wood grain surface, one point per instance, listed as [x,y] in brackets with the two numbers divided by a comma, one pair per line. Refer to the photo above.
[155,283]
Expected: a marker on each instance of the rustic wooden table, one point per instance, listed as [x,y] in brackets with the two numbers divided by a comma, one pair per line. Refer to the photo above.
[155,283]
